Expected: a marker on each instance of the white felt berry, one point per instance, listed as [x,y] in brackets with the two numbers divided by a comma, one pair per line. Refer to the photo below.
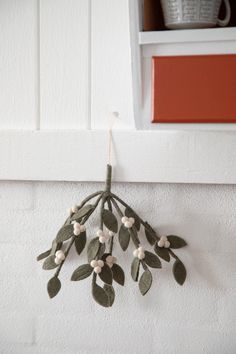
[57,260]
[131,220]
[82,228]
[60,254]
[111,233]
[97,269]
[102,239]
[136,253]
[77,226]
[100,263]
[141,249]
[99,233]
[128,224]
[141,255]
[74,209]
[164,238]
[94,263]
[167,244]
[109,259]
[161,243]
[124,219]
[76,232]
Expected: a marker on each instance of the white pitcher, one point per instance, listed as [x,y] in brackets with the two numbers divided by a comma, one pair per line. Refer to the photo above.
[180,14]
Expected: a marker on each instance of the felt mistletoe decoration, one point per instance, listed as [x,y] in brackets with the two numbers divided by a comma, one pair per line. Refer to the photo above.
[117,220]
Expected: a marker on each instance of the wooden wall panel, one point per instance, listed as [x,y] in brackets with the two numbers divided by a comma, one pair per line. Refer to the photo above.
[111,73]
[64,61]
[18,64]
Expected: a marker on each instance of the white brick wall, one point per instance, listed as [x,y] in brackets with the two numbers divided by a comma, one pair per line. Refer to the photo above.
[198,318]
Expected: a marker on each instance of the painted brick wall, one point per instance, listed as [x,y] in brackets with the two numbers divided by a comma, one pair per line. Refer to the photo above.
[198,318]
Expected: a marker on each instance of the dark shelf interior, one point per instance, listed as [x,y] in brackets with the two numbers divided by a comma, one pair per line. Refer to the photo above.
[153,17]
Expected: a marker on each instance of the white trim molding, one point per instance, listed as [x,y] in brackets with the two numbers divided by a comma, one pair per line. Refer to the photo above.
[138,156]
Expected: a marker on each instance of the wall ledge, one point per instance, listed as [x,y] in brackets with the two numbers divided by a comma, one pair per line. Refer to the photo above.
[138,156]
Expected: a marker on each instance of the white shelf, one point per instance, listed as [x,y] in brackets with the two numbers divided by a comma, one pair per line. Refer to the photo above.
[139,156]
[183,36]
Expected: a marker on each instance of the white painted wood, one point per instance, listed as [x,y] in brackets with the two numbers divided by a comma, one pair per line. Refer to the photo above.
[135,25]
[111,73]
[65,63]
[18,64]
[140,156]
[189,48]
[186,36]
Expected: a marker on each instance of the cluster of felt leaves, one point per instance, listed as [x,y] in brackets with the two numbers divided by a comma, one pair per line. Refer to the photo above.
[145,280]
[105,295]
[125,233]
[179,270]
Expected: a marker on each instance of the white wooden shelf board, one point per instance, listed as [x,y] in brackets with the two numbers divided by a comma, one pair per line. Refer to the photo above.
[139,156]
[192,35]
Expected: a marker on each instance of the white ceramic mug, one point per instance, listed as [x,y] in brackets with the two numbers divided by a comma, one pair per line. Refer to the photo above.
[179,14]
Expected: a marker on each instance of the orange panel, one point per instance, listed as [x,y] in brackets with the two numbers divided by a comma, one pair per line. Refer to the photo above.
[194,89]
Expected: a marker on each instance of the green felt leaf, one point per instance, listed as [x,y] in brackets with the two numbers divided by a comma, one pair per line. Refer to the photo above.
[135,268]
[43,255]
[131,214]
[104,256]
[101,250]
[49,263]
[82,272]
[100,295]
[93,249]
[82,212]
[134,235]
[68,221]
[118,274]
[124,237]
[162,252]
[53,287]
[110,293]
[55,246]
[176,241]
[106,274]
[110,220]
[152,260]
[145,282]
[150,237]
[65,233]
[179,272]
[80,242]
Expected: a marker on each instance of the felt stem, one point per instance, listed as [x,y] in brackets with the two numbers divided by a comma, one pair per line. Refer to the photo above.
[91,196]
[173,254]
[108,178]
[73,237]
[145,267]
[146,226]
[111,242]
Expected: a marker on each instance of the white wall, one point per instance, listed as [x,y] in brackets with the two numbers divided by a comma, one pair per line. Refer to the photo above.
[196,318]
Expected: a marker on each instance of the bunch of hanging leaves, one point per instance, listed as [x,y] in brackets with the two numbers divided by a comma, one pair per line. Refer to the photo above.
[120,223]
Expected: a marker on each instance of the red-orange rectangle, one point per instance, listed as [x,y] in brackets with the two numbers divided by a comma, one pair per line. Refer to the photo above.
[194,89]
